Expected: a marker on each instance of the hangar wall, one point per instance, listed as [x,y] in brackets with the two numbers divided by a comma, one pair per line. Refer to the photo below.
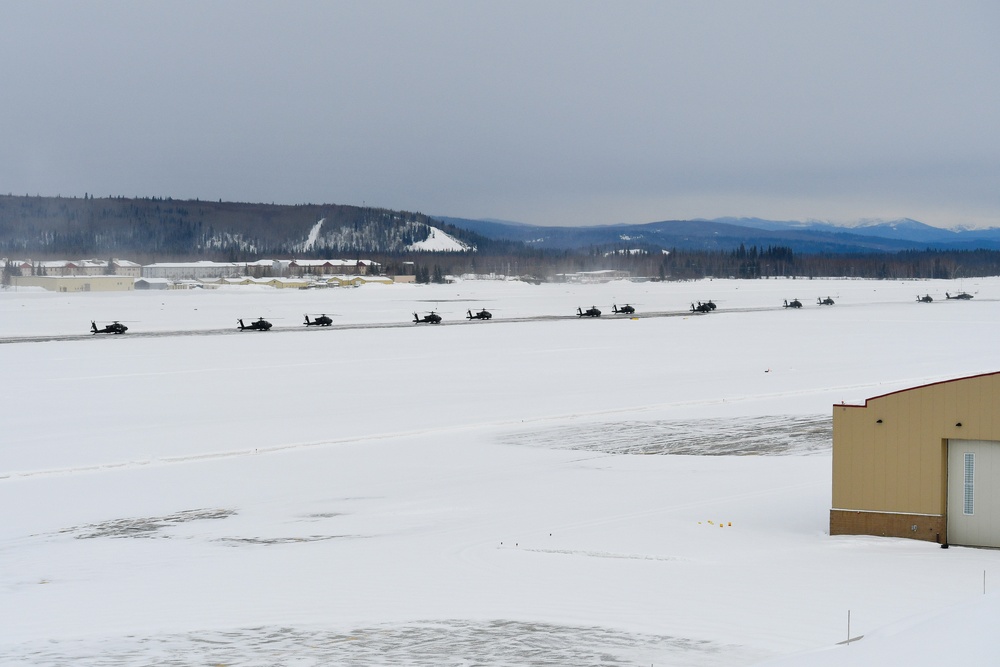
[890,455]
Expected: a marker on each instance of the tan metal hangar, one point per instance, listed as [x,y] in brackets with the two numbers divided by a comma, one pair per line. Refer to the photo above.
[922,463]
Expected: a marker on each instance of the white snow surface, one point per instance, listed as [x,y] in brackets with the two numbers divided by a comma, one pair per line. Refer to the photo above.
[438,241]
[561,492]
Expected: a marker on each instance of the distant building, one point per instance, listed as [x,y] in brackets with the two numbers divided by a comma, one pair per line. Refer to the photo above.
[259,269]
[284,283]
[76,283]
[80,267]
[604,276]
[123,267]
[22,267]
[324,267]
[922,463]
[152,283]
[203,270]
[265,268]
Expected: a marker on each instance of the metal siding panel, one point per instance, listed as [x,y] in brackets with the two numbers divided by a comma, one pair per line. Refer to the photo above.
[843,458]
[928,497]
[877,478]
[862,450]
[909,452]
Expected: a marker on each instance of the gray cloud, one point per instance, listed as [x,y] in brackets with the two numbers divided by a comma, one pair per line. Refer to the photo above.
[548,112]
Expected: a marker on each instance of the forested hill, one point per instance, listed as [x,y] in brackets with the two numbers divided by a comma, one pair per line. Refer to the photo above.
[168,229]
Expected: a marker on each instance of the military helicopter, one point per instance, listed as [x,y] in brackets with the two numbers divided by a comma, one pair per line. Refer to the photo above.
[794,303]
[964,296]
[924,299]
[115,327]
[590,312]
[824,302]
[260,325]
[321,321]
[624,310]
[706,307]
[430,318]
[481,315]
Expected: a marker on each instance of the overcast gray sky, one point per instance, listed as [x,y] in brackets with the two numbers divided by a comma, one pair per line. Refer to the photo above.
[553,113]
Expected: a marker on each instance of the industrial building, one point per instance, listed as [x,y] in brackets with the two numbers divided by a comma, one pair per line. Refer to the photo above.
[325,267]
[76,283]
[202,270]
[921,463]
[76,267]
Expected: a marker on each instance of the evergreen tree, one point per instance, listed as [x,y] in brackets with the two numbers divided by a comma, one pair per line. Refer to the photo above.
[8,272]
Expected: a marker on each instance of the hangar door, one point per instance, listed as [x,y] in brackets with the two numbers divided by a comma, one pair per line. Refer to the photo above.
[974,492]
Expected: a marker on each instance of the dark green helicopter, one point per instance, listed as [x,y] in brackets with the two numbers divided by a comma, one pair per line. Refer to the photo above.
[115,327]
[321,321]
[260,325]
[430,318]
[481,315]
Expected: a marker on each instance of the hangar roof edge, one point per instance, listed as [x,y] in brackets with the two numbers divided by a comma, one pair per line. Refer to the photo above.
[919,386]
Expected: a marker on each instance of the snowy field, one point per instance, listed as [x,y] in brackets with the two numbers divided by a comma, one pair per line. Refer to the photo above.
[523,491]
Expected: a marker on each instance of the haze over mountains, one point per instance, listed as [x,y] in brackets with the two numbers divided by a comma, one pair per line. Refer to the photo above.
[729,233]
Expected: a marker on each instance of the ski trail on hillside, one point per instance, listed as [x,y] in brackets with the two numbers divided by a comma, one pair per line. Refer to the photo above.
[313,235]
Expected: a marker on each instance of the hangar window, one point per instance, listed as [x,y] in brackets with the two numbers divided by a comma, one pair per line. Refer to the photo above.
[970,473]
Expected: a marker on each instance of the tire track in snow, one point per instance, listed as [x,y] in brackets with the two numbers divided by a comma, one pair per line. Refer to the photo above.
[418,643]
[389,435]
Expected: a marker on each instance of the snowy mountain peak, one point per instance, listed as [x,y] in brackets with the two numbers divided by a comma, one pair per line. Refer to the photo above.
[901,223]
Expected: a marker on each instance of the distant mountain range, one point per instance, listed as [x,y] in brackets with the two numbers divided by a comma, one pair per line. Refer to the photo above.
[158,229]
[730,233]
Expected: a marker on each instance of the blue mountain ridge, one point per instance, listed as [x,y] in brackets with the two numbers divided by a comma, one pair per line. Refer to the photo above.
[730,233]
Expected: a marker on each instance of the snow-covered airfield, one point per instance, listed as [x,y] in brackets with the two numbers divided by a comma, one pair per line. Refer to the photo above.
[540,491]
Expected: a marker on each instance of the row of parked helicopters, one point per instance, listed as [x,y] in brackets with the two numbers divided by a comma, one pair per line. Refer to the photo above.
[594,311]
[433,318]
[324,320]
[961,296]
[820,301]
[261,324]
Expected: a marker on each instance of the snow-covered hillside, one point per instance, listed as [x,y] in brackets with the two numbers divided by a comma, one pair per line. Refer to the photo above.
[438,241]
[517,491]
